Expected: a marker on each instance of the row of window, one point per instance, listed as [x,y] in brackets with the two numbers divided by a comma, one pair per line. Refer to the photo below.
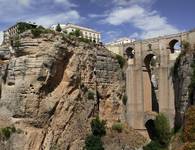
[85,33]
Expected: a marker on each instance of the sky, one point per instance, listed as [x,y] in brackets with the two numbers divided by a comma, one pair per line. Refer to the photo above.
[140,19]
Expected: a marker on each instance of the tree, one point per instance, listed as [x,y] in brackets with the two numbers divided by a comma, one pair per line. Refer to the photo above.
[77,33]
[121,60]
[98,127]
[58,28]
[93,143]
[163,130]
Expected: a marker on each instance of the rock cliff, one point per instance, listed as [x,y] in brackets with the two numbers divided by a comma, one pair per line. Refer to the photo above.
[51,88]
[182,78]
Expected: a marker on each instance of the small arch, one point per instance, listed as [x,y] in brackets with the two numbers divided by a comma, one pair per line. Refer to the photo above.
[130,52]
[150,126]
[174,45]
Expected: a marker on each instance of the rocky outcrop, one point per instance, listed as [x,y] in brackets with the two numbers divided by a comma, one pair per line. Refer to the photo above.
[182,78]
[52,86]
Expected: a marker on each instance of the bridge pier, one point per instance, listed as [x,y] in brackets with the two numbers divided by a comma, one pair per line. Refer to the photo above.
[135,109]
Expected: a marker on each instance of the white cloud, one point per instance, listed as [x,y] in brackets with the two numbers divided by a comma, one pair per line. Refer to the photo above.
[67,3]
[130,2]
[96,15]
[150,23]
[70,16]
[24,2]
[120,15]
[1,37]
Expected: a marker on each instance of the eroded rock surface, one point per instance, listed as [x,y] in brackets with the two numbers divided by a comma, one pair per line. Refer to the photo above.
[45,86]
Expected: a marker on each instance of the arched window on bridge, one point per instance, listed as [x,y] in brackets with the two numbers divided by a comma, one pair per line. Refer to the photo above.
[130,52]
[175,46]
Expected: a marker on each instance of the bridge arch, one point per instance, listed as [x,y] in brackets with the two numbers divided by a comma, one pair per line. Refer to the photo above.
[174,45]
[150,81]
[130,52]
[150,127]
[150,60]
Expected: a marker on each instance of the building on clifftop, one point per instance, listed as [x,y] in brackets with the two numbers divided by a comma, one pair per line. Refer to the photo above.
[87,33]
[16,29]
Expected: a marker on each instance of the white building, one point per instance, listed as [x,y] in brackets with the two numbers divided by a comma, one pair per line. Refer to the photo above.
[121,41]
[87,33]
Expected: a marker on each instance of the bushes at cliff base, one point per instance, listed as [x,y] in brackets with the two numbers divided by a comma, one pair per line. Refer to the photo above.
[189,125]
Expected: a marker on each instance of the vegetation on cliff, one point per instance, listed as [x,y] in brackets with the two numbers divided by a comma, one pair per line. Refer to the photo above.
[93,141]
[121,60]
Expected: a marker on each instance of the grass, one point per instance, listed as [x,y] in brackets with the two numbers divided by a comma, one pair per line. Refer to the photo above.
[117,127]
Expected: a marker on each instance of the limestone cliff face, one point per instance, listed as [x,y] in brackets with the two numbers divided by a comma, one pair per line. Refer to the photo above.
[46,88]
[182,73]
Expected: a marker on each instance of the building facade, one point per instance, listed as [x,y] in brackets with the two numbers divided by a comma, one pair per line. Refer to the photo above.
[121,41]
[14,30]
[87,33]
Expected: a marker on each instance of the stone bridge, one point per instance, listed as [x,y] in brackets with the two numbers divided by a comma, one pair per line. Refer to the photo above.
[149,83]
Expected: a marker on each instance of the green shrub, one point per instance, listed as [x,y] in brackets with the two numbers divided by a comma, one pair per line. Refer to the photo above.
[93,143]
[58,28]
[117,127]
[121,60]
[163,130]
[23,26]
[84,40]
[153,145]
[90,95]
[40,30]
[77,33]
[98,127]
[163,134]
[125,98]
[6,132]
[55,147]
[185,45]
[65,32]
[36,32]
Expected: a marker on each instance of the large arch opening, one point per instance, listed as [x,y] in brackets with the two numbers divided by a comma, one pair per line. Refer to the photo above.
[130,52]
[150,62]
[175,46]
[150,83]
[151,129]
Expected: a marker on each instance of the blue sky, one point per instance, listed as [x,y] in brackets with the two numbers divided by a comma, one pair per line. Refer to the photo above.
[139,19]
